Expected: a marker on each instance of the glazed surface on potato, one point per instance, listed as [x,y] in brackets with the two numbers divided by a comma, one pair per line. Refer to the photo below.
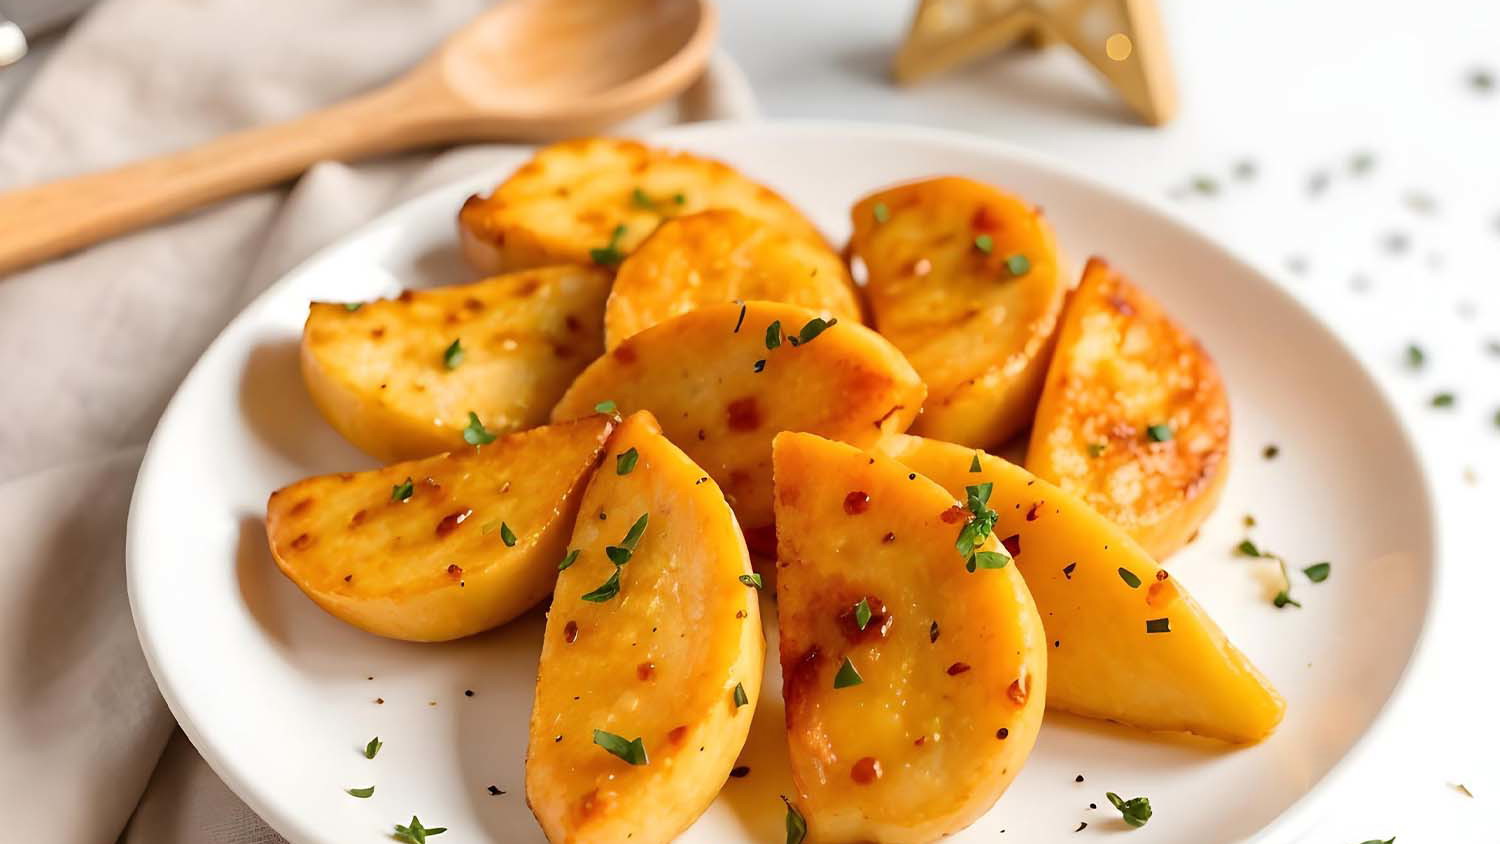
[388,377]
[908,727]
[718,256]
[964,279]
[723,389]
[1128,642]
[443,547]
[1134,419]
[646,647]
[569,199]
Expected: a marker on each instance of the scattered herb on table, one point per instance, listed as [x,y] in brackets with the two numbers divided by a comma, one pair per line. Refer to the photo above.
[1391,840]
[373,747]
[1284,597]
[1136,811]
[1318,572]
[403,490]
[1205,185]
[633,751]
[848,676]
[610,255]
[625,461]
[1444,400]
[1270,451]
[415,833]
[1361,162]
[1416,358]
[1244,170]
[475,433]
[453,355]
[361,793]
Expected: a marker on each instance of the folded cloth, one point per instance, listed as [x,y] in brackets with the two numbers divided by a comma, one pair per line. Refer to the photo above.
[95,343]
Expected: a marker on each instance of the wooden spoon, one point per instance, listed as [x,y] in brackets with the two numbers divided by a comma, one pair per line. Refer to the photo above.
[524,70]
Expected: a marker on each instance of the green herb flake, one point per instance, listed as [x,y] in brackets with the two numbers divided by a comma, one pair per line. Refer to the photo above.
[1391,840]
[1318,572]
[1415,357]
[1205,185]
[1158,625]
[570,559]
[1129,577]
[415,833]
[361,793]
[1018,265]
[760,365]
[1444,400]
[1246,547]
[607,406]
[679,198]
[610,254]
[625,461]
[848,676]
[373,747]
[753,580]
[974,464]
[984,243]
[1284,597]
[740,698]
[1136,811]
[1096,449]
[351,307]
[741,321]
[882,212]
[773,335]
[991,560]
[639,199]
[618,555]
[403,490]
[633,536]
[862,614]
[507,535]
[1159,433]
[814,327]
[633,751]
[606,590]
[979,526]
[796,826]
[475,434]
[1249,521]
[453,355]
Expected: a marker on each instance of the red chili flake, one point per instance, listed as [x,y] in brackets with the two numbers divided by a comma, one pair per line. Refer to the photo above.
[880,423]
[301,542]
[451,521]
[1012,545]
[379,700]
[301,506]
[570,632]
[645,671]
[625,354]
[888,538]
[357,519]
[473,304]
[957,668]
[572,323]
[1161,574]
[406,296]
[866,770]
[955,514]
[1003,733]
[984,220]
[1019,690]
[740,771]
[377,333]
[856,502]
[921,740]
[454,571]
[348,578]
[744,414]
[677,734]
[1032,513]
[495,792]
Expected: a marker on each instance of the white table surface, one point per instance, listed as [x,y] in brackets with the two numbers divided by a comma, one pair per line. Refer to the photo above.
[1298,89]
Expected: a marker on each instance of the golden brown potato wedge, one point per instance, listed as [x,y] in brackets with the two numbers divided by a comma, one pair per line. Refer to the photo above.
[389,378]
[721,255]
[652,659]
[914,687]
[1129,643]
[722,392]
[964,279]
[566,204]
[1134,419]
[443,547]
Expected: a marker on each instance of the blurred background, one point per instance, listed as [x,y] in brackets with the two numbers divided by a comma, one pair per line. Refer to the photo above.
[1349,149]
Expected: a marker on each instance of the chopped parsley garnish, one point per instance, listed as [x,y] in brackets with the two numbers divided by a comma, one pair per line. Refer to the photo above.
[1415,357]
[415,833]
[1158,625]
[507,535]
[1096,449]
[773,335]
[625,461]
[606,590]
[1318,572]
[740,698]
[814,327]
[862,613]
[620,554]
[847,676]
[1159,433]
[1129,577]
[361,793]
[453,355]
[1444,400]
[796,827]
[753,580]
[882,212]
[974,464]
[351,307]
[633,752]
[610,254]
[403,490]
[741,321]
[639,199]
[978,528]
[373,747]
[991,560]
[570,559]
[1018,264]
[1136,811]
[475,434]
[607,406]
[984,243]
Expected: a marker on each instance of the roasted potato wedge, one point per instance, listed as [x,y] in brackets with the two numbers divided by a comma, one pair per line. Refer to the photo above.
[565,205]
[1134,419]
[443,547]
[908,726]
[722,394]
[965,280]
[389,378]
[721,255]
[659,645]
[1129,643]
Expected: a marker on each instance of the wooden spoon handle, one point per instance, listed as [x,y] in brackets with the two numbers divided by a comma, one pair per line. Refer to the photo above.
[47,220]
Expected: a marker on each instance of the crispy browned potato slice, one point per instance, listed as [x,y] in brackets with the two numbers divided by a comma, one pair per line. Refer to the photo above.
[1102,600]
[443,547]
[387,376]
[722,394]
[908,726]
[564,206]
[964,279]
[652,660]
[1134,419]
[721,255]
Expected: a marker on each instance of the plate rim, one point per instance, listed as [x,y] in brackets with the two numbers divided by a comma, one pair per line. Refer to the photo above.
[1297,818]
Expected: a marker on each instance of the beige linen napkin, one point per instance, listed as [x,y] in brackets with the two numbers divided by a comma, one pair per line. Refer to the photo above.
[93,345]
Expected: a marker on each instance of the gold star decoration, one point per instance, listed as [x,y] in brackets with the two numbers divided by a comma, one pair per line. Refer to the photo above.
[1122,39]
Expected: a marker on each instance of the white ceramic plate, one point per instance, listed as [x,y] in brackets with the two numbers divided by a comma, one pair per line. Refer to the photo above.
[279,697]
